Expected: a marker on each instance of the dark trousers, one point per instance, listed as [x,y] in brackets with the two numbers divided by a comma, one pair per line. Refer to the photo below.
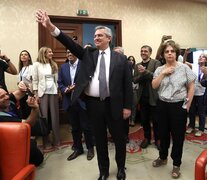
[197,105]
[101,117]
[36,156]
[171,123]
[148,115]
[24,108]
[126,127]
[80,123]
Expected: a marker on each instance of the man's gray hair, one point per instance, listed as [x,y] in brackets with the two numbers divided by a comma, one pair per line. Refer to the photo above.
[108,31]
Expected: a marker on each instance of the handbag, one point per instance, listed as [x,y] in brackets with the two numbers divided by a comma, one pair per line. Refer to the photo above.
[40,128]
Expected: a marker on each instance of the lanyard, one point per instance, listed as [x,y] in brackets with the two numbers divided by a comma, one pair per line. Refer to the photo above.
[22,72]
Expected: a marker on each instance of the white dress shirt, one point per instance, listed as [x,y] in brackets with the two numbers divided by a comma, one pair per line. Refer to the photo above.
[93,87]
[73,68]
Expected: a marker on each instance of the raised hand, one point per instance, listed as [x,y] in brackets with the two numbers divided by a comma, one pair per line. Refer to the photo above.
[43,18]
[22,86]
[32,102]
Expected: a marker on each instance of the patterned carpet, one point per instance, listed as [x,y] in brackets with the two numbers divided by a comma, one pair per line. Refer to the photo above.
[138,161]
[135,139]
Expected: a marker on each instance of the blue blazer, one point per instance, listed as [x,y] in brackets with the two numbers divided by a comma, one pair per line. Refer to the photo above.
[64,80]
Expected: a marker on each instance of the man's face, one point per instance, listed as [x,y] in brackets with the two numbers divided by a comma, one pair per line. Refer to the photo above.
[70,56]
[4,99]
[101,40]
[145,53]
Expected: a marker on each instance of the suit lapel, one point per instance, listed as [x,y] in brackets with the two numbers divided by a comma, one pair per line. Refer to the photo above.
[95,57]
[77,71]
[112,63]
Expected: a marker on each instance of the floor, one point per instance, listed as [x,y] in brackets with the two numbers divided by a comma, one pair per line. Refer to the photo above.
[139,165]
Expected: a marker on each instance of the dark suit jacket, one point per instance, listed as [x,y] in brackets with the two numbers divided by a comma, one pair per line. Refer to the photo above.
[64,79]
[146,78]
[120,82]
[204,83]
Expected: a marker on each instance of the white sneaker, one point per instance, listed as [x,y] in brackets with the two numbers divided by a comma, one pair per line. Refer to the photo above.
[189,130]
[199,133]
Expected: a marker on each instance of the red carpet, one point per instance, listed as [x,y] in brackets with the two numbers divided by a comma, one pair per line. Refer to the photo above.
[135,139]
[137,136]
[198,140]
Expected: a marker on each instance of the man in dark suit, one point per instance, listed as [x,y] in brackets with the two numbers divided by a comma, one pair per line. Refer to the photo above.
[77,111]
[108,108]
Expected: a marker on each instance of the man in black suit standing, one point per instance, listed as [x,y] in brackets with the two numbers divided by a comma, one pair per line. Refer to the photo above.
[107,105]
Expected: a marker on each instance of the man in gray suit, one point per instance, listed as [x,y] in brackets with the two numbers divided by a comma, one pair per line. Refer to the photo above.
[108,108]
[147,96]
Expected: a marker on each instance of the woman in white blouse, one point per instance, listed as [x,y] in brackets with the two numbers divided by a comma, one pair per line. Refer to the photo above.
[45,76]
[174,82]
[25,75]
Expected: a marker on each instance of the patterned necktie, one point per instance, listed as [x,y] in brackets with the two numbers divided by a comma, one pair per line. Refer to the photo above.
[103,92]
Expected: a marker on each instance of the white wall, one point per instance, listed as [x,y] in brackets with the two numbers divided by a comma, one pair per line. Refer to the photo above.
[143,22]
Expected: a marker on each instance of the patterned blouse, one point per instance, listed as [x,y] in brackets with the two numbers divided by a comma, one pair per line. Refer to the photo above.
[173,88]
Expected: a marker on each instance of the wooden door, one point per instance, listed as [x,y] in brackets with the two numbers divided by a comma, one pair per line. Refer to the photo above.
[72,30]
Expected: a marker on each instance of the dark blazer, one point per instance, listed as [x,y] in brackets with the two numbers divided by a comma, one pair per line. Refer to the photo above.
[146,78]
[204,83]
[120,81]
[64,79]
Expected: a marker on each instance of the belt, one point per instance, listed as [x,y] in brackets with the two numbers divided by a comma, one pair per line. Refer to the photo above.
[98,98]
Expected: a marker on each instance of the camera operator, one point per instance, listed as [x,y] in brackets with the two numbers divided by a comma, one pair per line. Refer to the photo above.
[6,66]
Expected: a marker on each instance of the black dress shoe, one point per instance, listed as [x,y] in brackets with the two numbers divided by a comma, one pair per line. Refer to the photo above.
[90,154]
[73,147]
[121,175]
[103,176]
[74,155]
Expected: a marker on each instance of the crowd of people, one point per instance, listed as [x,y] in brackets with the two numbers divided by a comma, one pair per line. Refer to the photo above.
[102,91]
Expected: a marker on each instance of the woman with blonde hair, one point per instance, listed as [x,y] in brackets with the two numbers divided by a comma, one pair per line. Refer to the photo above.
[45,87]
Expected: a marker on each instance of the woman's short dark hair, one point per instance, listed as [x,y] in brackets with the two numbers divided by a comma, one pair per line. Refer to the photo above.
[174,45]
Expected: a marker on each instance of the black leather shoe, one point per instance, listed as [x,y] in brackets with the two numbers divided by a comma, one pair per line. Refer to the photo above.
[90,154]
[121,175]
[74,155]
[103,176]
[73,147]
